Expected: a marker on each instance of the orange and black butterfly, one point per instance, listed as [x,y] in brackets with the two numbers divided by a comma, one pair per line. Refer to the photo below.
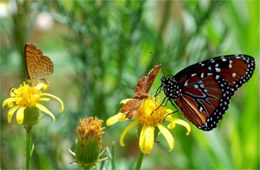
[203,90]
[38,66]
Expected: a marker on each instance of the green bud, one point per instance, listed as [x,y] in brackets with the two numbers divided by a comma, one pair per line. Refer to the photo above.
[31,116]
[89,142]
[87,152]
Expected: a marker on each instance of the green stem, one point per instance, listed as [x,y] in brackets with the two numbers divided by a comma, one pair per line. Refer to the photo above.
[28,147]
[139,161]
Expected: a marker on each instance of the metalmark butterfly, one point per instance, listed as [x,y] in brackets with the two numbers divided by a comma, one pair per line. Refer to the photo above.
[141,90]
[203,90]
[38,66]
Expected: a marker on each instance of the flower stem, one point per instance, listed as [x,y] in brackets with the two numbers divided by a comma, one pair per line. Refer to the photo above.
[28,147]
[139,161]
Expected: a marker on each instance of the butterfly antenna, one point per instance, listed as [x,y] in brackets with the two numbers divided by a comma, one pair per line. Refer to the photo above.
[155,57]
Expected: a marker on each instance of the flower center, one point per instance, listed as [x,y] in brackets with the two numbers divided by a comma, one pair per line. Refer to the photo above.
[26,96]
[150,113]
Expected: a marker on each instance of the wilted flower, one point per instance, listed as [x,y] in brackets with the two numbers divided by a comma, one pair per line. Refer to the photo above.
[89,142]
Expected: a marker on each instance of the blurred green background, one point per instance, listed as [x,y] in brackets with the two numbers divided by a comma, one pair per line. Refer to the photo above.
[100,49]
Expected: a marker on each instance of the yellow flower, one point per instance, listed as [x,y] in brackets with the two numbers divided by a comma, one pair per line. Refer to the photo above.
[150,115]
[27,96]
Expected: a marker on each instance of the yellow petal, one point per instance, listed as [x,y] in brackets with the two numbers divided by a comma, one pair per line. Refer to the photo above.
[185,124]
[8,101]
[44,109]
[175,121]
[129,127]
[168,136]
[146,140]
[124,101]
[116,118]
[45,86]
[171,125]
[39,86]
[10,113]
[44,99]
[55,97]
[169,110]
[20,115]
[13,92]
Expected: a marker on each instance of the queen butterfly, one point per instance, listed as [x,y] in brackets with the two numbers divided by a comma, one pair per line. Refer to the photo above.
[203,90]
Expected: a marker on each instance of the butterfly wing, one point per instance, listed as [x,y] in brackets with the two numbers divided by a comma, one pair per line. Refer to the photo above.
[38,66]
[141,90]
[208,86]
[144,84]
[131,107]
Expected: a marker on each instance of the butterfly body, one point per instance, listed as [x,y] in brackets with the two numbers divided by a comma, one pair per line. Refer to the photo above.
[203,90]
[171,88]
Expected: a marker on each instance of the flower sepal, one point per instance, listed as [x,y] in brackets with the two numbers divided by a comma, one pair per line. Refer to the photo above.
[87,152]
[31,116]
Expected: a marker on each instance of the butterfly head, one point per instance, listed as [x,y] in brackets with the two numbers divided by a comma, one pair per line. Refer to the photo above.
[171,88]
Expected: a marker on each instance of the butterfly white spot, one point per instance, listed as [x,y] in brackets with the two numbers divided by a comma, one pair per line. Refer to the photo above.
[196,86]
[230,66]
[223,59]
[217,65]
[234,75]
[217,77]
[194,74]
[209,68]
[200,109]
[218,69]
[202,75]
[210,74]
[202,85]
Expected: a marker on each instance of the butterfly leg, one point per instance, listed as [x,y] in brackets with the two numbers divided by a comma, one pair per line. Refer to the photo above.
[174,105]
[170,114]
[158,90]
[160,104]
[166,103]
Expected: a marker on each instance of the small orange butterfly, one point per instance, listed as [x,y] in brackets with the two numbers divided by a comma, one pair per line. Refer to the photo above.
[141,93]
[38,66]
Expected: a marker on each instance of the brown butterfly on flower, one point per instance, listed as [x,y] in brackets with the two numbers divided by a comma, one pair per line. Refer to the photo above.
[38,66]
[141,90]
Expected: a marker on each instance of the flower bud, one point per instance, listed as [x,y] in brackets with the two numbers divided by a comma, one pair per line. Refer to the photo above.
[89,142]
